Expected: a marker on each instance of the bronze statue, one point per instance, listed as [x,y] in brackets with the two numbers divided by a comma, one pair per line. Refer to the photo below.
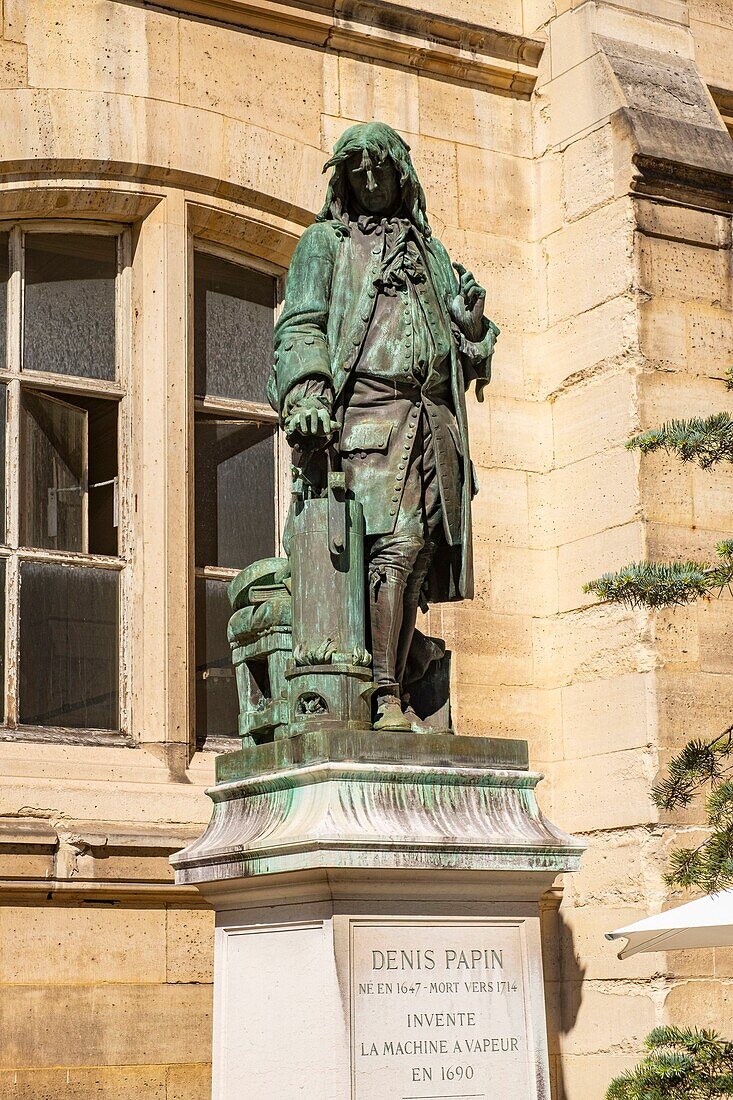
[378,340]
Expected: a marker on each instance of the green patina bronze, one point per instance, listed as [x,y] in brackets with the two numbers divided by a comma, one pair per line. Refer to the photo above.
[379,338]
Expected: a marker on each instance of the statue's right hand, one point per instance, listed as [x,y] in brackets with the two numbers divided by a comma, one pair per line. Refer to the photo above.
[309,422]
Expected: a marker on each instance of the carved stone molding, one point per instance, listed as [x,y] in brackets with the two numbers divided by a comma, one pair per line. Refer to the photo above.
[380,31]
[406,802]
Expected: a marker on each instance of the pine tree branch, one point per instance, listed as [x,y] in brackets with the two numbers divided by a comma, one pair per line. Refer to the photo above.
[705,441]
[661,584]
[656,584]
[696,765]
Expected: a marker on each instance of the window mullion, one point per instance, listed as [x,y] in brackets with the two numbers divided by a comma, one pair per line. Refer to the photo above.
[12,466]
[15,300]
[15,339]
[12,641]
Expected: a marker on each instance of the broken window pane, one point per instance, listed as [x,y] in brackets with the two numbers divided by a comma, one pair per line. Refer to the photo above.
[69,306]
[216,688]
[235,491]
[234,316]
[4,271]
[53,474]
[68,674]
[102,484]
[68,473]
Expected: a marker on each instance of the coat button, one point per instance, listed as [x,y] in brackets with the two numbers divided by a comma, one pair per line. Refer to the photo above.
[393,511]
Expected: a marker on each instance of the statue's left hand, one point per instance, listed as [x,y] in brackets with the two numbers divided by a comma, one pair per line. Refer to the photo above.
[467,308]
[309,422]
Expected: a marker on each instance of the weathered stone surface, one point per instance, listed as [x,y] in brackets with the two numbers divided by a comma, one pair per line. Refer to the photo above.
[212,60]
[676,269]
[74,1083]
[631,771]
[380,800]
[104,1025]
[593,417]
[587,1075]
[612,715]
[188,951]
[606,1017]
[611,272]
[583,498]
[589,557]
[82,945]
[588,173]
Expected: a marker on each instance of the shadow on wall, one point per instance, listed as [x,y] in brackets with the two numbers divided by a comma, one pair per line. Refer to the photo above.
[563,988]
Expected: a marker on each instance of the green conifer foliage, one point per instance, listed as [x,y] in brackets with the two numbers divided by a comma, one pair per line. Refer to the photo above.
[681,1064]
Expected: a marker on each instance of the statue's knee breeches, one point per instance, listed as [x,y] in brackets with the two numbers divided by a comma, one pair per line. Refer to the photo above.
[393,557]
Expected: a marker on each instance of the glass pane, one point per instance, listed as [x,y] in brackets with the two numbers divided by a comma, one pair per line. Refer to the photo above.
[69,308]
[235,491]
[216,687]
[102,474]
[68,673]
[4,270]
[234,316]
[53,458]
[3,422]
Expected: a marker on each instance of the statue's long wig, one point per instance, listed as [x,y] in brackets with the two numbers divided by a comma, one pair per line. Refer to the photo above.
[381,142]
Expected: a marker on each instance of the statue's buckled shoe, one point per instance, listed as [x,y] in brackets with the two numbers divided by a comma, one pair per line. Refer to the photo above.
[390,717]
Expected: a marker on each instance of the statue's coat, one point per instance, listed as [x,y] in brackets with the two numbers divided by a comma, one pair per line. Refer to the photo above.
[324,325]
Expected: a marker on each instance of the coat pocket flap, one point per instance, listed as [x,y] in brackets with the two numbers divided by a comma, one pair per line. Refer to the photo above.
[367,435]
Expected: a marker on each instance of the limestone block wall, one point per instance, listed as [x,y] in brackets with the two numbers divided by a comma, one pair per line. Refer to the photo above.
[633,237]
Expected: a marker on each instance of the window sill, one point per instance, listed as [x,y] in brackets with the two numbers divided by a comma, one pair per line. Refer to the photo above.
[59,735]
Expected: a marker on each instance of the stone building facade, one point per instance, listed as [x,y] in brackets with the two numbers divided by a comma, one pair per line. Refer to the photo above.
[158,164]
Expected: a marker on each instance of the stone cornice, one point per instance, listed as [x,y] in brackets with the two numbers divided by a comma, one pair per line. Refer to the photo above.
[678,162]
[381,31]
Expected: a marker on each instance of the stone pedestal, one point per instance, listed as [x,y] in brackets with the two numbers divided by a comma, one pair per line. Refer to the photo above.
[377,934]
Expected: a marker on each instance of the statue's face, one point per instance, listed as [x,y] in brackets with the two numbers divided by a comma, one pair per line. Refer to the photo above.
[375,186]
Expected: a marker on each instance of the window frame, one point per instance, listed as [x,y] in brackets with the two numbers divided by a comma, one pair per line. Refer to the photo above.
[63,387]
[234,409]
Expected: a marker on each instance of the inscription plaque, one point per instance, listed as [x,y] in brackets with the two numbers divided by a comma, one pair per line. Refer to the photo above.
[439,1010]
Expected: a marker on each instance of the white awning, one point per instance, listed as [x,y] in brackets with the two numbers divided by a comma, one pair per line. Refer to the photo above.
[707,922]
